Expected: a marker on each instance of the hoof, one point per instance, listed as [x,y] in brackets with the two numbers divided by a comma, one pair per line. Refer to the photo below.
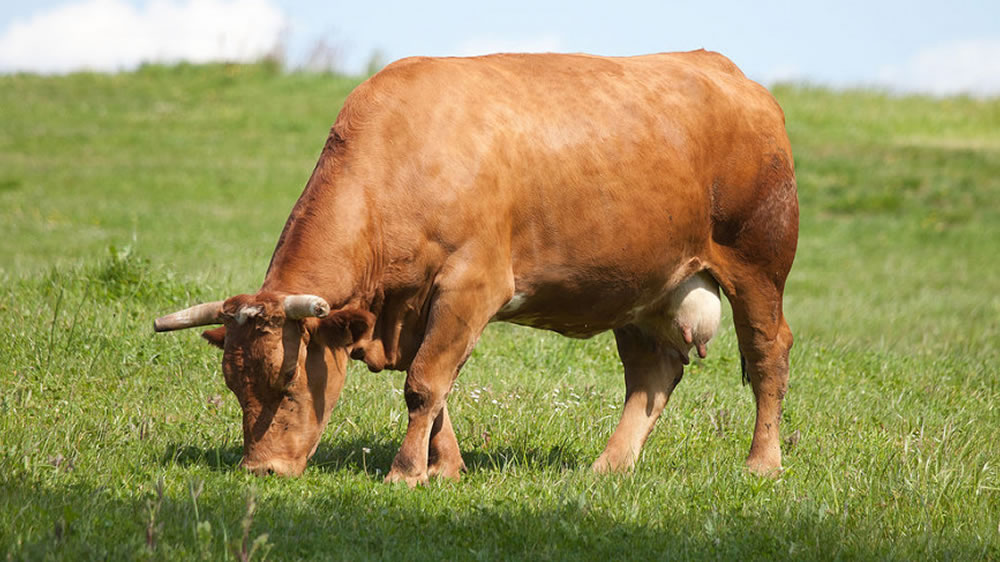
[763,468]
[412,481]
[604,465]
[449,470]
[601,466]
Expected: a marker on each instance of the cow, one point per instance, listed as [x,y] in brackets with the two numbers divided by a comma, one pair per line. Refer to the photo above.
[568,192]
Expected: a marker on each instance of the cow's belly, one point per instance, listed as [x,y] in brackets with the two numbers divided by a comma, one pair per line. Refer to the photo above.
[683,316]
[567,317]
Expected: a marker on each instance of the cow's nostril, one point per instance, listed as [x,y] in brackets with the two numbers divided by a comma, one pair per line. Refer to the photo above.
[259,469]
[274,466]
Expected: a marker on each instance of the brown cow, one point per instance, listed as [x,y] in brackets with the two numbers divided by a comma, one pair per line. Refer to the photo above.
[574,193]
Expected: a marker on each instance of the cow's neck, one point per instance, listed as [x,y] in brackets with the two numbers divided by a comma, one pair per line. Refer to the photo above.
[328,245]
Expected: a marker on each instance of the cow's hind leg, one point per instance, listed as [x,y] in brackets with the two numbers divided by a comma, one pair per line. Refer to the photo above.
[754,246]
[652,370]
[765,340]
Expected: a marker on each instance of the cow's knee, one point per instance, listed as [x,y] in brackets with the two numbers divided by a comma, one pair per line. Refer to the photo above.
[419,395]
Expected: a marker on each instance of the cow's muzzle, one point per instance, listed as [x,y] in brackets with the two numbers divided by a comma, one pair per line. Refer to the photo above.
[276,467]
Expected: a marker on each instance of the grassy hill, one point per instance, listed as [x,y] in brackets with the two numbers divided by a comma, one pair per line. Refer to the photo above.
[123,197]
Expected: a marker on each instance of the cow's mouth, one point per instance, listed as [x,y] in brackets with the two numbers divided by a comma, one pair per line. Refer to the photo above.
[276,467]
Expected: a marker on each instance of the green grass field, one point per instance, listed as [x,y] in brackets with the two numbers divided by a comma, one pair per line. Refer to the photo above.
[125,197]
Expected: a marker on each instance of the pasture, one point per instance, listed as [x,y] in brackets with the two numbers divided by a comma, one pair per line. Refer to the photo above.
[123,197]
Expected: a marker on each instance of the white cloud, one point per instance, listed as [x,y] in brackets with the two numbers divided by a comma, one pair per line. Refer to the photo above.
[109,35]
[969,67]
[486,44]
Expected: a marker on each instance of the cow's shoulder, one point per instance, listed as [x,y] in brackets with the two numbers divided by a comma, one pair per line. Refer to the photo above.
[398,82]
[405,69]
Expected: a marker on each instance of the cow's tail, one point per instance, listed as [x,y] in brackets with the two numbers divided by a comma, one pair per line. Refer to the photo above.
[743,369]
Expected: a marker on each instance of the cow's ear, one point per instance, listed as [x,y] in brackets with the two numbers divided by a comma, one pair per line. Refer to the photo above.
[216,336]
[346,326]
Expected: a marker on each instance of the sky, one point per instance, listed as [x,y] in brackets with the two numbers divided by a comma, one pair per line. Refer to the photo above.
[907,46]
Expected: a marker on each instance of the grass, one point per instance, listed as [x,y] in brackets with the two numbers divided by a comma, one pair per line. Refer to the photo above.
[123,197]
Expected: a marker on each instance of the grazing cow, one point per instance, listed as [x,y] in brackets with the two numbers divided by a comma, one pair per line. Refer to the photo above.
[574,193]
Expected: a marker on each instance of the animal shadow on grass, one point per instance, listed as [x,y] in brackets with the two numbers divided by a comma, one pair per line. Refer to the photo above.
[372,455]
[222,458]
[350,523]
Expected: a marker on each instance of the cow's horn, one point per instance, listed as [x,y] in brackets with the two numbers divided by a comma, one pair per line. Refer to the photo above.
[197,315]
[298,307]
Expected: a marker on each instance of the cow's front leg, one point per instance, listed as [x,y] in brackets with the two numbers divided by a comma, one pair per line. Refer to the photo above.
[456,319]
[652,370]
[425,395]
[444,459]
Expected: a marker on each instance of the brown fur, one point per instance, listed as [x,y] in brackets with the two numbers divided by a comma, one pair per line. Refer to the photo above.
[586,188]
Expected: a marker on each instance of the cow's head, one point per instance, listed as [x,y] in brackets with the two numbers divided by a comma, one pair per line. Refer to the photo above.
[285,358]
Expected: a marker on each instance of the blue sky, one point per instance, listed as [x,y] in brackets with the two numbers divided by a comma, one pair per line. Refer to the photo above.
[937,47]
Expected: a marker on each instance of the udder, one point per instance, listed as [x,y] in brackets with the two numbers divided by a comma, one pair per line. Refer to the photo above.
[690,315]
